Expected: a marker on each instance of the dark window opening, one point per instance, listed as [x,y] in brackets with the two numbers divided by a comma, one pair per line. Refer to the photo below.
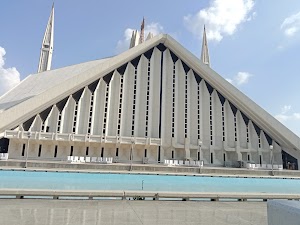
[172,154]
[87,151]
[102,152]
[211,158]
[40,150]
[55,151]
[71,153]
[23,149]
[145,155]
[117,152]
[260,160]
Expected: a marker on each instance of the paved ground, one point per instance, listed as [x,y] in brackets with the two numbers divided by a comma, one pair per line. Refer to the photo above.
[93,212]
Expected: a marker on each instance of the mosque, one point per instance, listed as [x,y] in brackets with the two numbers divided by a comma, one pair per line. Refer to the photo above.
[153,102]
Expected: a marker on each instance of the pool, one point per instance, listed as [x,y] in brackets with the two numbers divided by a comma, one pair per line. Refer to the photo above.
[178,183]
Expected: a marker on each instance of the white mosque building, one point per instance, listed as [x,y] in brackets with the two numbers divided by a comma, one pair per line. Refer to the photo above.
[153,102]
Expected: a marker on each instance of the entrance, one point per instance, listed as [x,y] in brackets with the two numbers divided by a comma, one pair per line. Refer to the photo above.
[4,142]
[289,162]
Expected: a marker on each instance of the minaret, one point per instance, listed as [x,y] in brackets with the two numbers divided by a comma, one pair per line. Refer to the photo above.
[47,45]
[150,35]
[142,31]
[134,41]
[204,53]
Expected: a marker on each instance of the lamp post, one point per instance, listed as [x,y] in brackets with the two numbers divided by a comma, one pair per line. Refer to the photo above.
[199,154]
[131,153]
[272,159]
[26,158]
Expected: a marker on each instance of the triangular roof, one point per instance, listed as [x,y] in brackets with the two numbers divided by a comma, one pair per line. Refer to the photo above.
[36,84]
[77,79]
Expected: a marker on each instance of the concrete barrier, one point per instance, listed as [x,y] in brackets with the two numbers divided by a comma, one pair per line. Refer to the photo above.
[56,194]
[283,212]
[34,164]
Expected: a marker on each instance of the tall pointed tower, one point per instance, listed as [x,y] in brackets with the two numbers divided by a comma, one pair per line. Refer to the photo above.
[142,34]
[204,52]
[47,45]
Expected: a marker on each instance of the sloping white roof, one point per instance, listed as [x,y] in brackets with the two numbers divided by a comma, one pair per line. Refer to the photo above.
[87,73]
[36,84]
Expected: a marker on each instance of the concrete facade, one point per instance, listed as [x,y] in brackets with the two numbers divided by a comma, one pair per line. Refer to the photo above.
[154,102]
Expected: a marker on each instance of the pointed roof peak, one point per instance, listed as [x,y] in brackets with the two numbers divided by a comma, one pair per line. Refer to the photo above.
[204,52]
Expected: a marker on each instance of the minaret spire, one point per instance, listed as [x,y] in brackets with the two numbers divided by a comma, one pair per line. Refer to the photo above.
[204,53]
[142,36]
[47,45]
[134,41]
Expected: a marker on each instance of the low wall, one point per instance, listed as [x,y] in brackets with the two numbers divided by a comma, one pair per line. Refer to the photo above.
[283,212]
[153,195]
[151,168]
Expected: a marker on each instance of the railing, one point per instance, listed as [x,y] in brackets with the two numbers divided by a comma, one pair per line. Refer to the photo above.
[3,156]
[87,159]
[153,195]
[171,162]
[34,135]
[263,166]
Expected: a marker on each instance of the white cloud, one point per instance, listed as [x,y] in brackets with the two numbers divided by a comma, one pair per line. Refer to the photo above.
[220,18]
[285,114]
[285,109]
[229,80]
[122,45]
[240,78]
[9,77]
[296,116]
[291,25]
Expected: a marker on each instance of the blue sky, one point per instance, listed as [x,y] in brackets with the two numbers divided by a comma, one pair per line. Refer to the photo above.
[253,44]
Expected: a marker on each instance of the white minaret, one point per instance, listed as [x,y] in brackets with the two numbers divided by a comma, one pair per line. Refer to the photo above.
[204,53]
[134,41]
[47,45]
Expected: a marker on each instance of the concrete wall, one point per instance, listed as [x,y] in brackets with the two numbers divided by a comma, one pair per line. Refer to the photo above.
[283,212]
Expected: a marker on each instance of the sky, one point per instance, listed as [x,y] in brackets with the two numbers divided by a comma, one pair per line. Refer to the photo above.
[253,44]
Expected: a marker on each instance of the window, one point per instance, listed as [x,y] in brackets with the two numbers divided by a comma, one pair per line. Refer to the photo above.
[211,158]
[145,155]
[172,154]
[23,149]
[102,152]
[55,151]
[40,151]
[87,151]
[117,152]
[71,152]
[260,159]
